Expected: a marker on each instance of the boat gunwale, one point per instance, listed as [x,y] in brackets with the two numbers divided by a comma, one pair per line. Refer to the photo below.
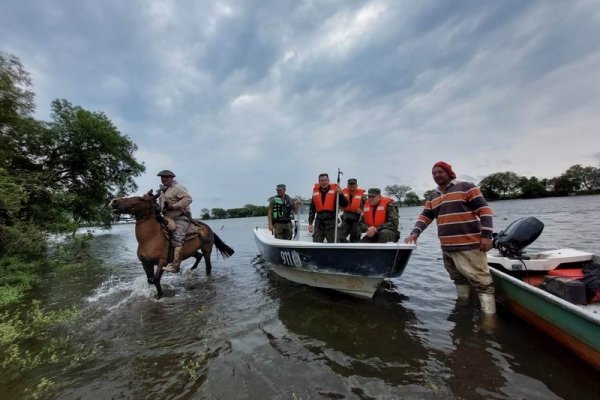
[547,296]
[260,234]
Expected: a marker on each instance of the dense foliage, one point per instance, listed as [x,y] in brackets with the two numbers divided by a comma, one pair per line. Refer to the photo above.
[55,176]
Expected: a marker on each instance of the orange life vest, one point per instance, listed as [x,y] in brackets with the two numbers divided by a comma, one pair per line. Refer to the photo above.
[329,198]
[380,212]
[354,205]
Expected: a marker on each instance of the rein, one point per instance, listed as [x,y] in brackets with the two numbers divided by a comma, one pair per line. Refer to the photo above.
[145,214]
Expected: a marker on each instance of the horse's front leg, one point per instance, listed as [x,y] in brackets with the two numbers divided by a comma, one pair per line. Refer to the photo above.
[157,275]
[149,270]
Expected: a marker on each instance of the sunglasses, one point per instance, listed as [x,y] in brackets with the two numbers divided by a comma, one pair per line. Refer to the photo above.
[372,195]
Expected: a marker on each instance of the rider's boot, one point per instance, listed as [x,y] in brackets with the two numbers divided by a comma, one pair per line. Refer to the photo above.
[177,255]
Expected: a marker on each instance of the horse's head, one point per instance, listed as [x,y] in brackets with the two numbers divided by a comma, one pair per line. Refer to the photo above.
[139,206]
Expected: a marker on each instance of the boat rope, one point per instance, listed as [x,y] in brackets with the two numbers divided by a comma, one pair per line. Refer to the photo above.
[394,263]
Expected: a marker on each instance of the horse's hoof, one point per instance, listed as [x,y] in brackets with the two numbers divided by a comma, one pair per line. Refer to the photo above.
[150,281]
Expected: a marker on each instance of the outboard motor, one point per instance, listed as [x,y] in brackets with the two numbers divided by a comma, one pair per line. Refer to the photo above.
[518,235]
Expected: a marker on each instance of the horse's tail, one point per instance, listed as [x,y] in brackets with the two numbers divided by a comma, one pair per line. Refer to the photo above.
[225,250]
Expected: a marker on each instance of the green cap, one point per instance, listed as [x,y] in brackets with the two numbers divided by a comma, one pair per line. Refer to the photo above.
[375,191]
[281,186]
[352,181]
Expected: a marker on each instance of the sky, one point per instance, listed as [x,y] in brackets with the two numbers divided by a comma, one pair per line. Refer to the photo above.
[236,97]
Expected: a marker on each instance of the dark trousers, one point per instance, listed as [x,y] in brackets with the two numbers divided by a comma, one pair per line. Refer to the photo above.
[350,226]
[383,236]
[324,229]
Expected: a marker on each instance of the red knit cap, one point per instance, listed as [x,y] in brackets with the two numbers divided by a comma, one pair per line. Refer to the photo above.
[446,167]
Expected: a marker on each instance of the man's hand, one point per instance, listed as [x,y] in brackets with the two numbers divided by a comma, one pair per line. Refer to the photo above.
[175,207]
[310,228]
[371,231]
[485,244]
[412,238]
[271,227]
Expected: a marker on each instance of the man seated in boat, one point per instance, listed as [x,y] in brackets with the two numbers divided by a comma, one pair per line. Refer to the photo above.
[351,217]
[379,219]
[323,209]
[280,214]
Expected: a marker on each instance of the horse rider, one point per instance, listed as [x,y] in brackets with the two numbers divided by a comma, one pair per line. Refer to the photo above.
[174,202]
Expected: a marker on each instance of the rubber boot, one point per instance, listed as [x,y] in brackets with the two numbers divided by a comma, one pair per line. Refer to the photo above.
[488,303]
[177,255]
[463,291]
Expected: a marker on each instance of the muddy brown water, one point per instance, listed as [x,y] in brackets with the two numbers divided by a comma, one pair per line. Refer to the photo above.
[244,333]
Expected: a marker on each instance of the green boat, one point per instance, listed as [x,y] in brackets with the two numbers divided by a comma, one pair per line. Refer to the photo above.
[519,287]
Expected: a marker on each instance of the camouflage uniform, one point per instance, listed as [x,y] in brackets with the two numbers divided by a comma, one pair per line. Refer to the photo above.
[387,232]
[280,215]
[351,221]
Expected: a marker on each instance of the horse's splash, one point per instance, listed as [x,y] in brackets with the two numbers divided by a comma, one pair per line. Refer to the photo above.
[117,287]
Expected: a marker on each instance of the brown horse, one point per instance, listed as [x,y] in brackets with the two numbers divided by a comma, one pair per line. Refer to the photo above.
[153,245]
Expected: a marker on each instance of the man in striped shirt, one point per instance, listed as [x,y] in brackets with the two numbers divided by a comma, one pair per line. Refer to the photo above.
[465,231]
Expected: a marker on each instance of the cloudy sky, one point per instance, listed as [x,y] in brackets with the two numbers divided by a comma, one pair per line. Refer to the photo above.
[238,96]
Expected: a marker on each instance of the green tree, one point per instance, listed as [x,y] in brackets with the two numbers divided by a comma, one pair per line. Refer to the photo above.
[587,178]
[532,188]
[398,191]
[218,213]
[563,185]
[16,104]
[86,161]
[500,185]
[412,199]
[205,213]
[428,193]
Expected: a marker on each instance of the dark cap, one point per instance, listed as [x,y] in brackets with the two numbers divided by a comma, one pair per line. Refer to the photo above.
[281,186]
[374,191]
[352,181]
[166,172]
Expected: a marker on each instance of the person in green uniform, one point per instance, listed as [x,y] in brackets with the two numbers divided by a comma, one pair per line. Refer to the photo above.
[280,212]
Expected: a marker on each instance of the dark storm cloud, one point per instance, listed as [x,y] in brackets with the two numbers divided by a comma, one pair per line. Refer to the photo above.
[236,96]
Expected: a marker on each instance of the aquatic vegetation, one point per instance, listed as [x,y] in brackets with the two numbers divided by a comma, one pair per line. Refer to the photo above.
[32,338]
[41,389]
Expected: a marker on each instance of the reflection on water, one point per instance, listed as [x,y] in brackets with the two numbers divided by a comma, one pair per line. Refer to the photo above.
[245,333]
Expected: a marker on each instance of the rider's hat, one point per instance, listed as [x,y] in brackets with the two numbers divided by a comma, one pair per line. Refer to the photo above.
[166,172]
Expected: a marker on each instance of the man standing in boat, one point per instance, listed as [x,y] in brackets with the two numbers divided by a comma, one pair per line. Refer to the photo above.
[351,216]
[379,219]
[322,209]
[280,214]
[174,202]
[465,231]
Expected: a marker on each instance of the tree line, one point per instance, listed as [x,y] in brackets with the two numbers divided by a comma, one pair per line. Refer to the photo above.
[576,180]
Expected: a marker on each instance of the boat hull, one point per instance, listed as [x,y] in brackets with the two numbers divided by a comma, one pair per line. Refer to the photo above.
[571,325]
[356,269]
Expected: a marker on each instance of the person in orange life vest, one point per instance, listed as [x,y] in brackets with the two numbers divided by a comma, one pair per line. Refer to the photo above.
[350,218]
[465,228]
[322,209]
[379,219]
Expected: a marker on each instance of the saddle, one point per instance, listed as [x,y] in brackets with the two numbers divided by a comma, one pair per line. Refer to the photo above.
[168,225]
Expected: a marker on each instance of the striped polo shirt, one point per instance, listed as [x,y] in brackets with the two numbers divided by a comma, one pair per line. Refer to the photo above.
[462,214]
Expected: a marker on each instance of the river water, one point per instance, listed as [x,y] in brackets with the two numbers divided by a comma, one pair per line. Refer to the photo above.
[244,333]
